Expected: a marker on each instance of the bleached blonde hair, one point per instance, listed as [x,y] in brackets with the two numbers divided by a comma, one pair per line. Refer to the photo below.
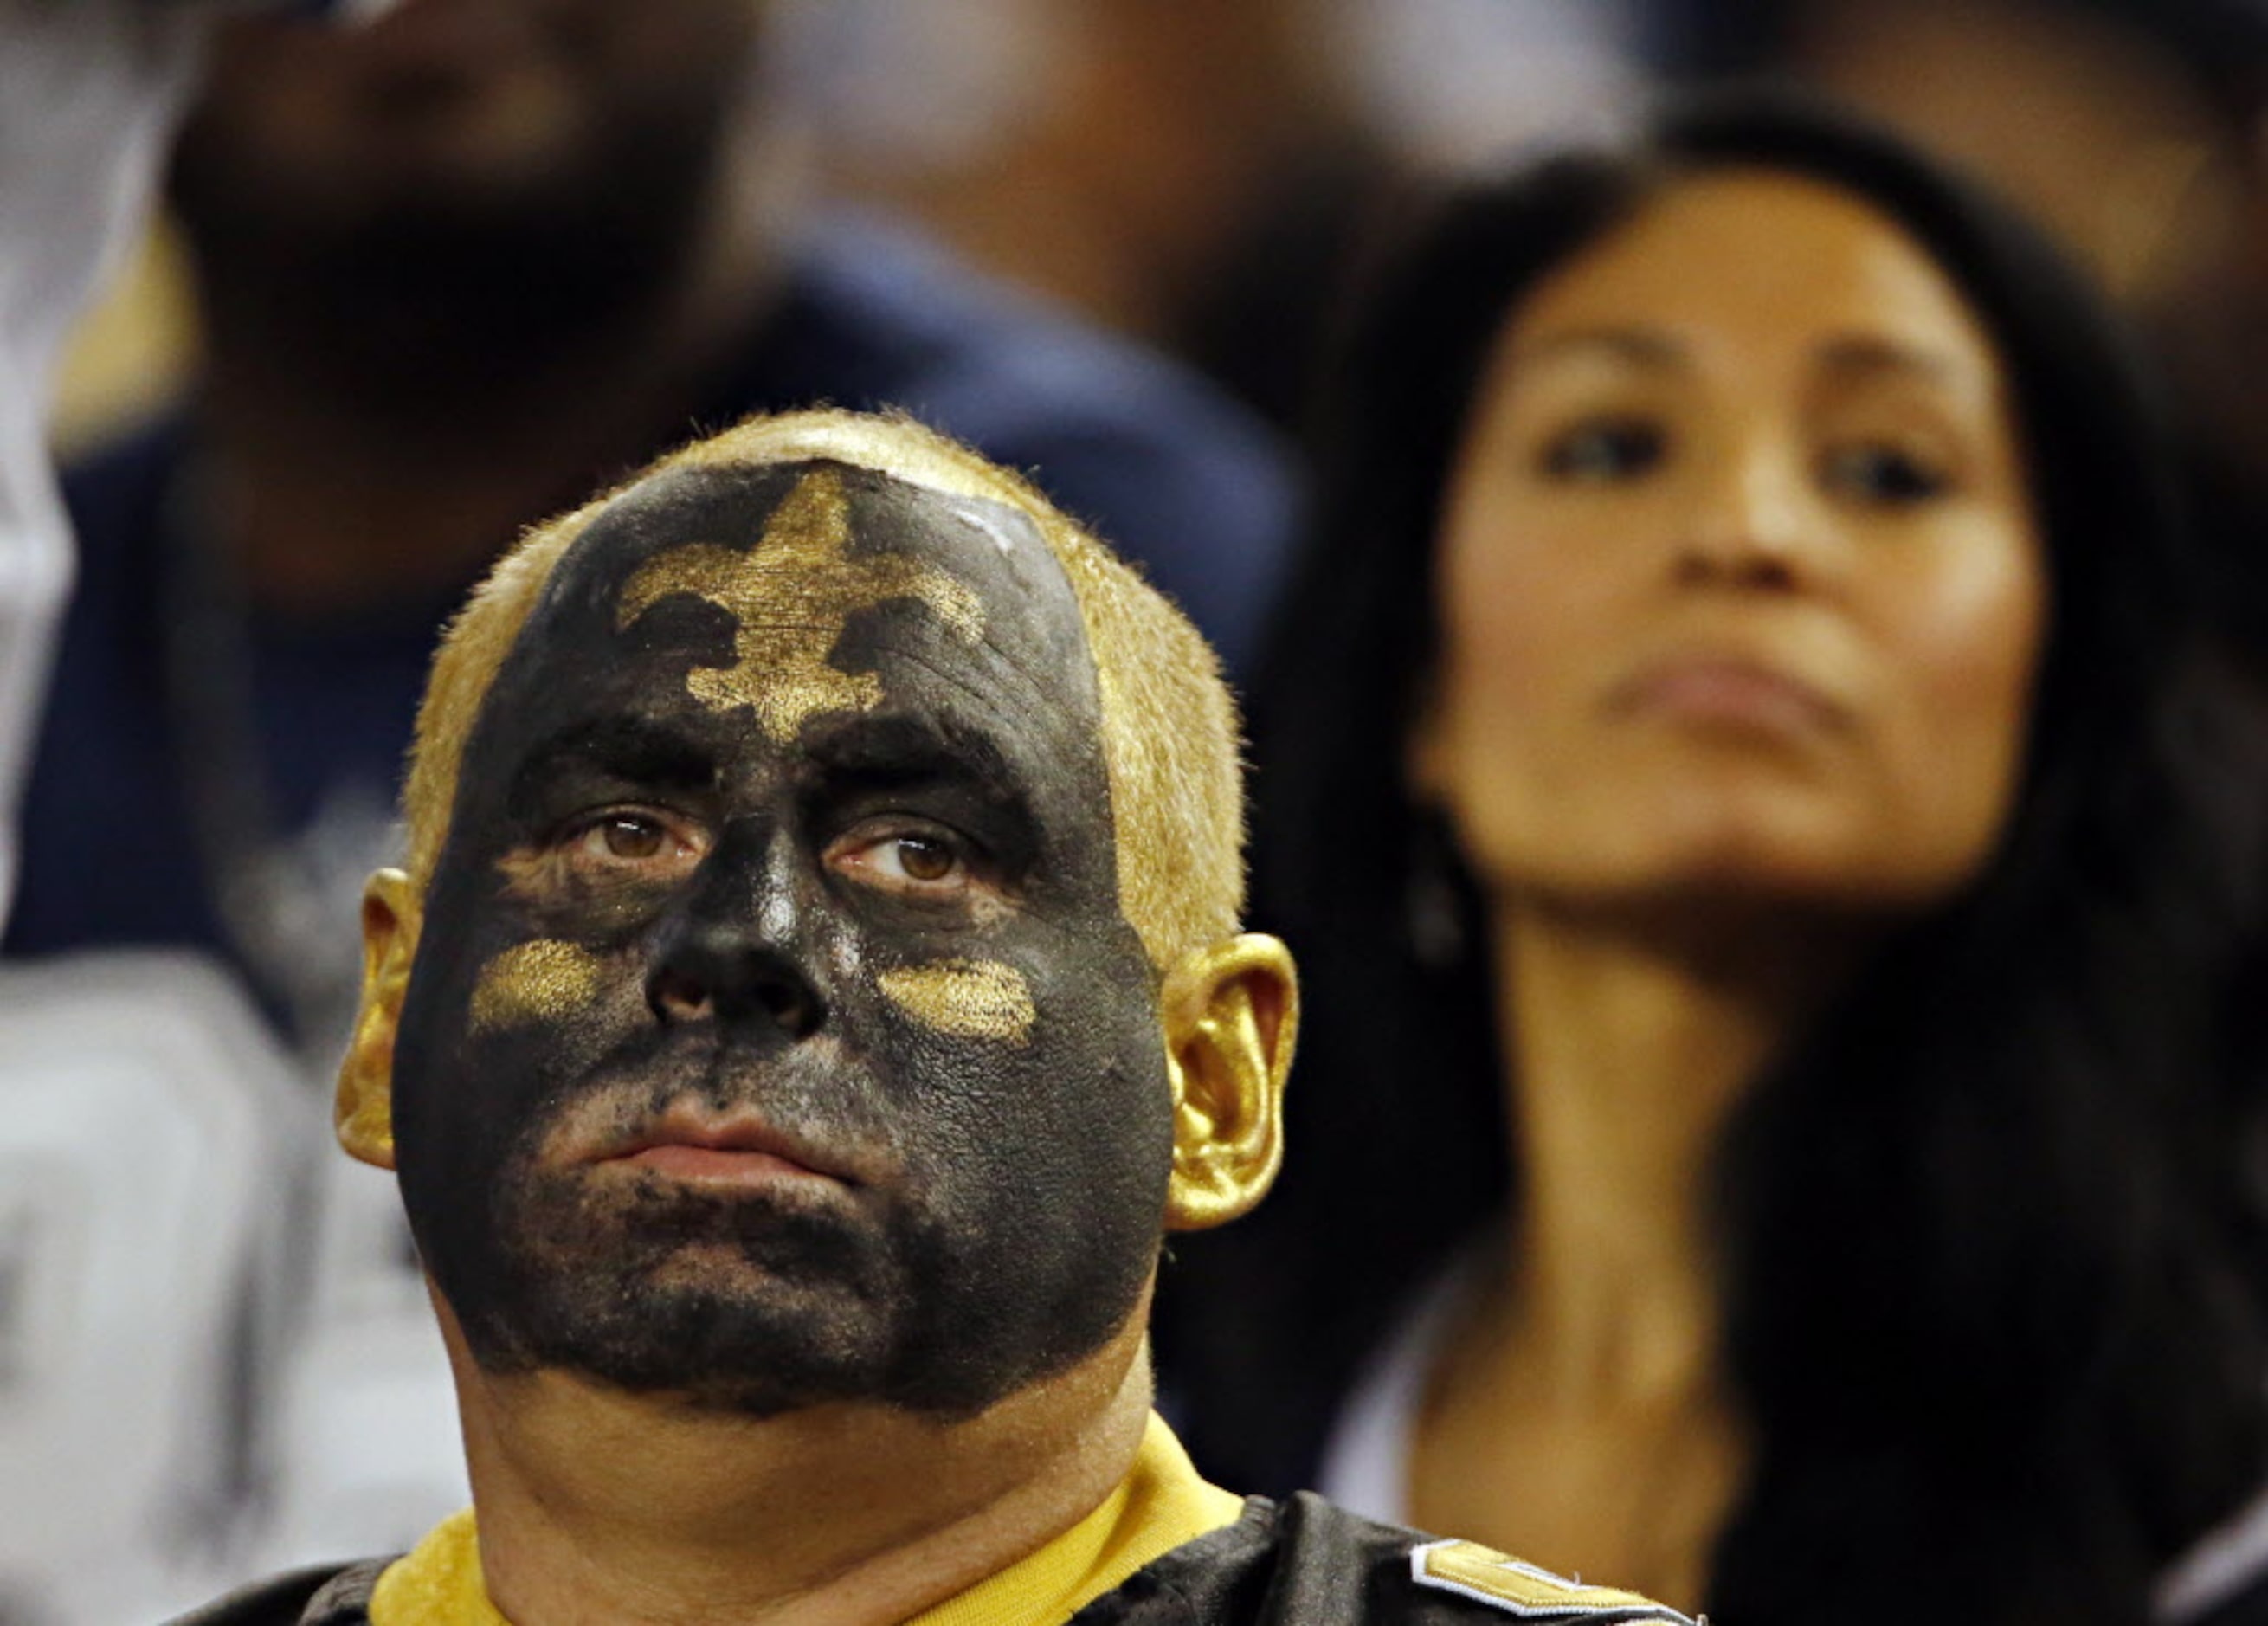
[1170,724]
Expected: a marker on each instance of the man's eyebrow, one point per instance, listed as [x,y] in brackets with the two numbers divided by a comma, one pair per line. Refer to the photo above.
[1645,347]
[634,749]
[899,749]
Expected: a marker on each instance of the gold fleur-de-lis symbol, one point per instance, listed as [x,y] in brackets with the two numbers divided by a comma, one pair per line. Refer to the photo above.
[792,594]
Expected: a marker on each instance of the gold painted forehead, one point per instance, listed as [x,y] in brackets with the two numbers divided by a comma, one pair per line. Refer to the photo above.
[789,597]
[1170,724]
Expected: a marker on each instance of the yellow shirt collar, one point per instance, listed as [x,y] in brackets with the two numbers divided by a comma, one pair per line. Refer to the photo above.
[438,1582]
[1160,1504]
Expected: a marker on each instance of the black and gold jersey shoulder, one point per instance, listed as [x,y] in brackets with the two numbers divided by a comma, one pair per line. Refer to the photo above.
[1300,1563]
[1304,1563]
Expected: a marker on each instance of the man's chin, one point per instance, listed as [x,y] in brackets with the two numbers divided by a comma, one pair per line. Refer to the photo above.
[758,1351]
[755,1350]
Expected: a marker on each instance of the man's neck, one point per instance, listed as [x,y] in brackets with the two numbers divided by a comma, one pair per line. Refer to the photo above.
[599,1507]
[326,506]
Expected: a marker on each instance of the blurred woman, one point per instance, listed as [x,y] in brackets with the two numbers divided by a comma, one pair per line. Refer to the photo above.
[1760,1128]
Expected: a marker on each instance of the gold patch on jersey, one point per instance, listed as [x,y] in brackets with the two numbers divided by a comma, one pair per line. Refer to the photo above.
[1528,1592]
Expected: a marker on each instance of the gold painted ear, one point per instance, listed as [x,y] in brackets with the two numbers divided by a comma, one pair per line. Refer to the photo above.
[362,1113]
[1230,1012]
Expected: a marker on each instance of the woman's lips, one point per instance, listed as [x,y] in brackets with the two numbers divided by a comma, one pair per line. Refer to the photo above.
[1727,692]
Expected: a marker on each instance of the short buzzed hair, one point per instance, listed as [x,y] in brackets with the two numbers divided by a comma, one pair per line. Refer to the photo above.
[1169,725]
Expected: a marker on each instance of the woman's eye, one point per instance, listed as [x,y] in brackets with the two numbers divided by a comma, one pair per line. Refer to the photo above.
[1604,451]
[1885,476]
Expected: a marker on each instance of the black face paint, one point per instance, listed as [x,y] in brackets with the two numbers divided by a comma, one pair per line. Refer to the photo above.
[689,905]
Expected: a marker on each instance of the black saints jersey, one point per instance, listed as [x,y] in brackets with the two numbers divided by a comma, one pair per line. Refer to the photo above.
[1300,1563]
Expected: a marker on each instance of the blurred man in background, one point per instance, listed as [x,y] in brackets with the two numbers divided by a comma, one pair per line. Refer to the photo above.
[452,270]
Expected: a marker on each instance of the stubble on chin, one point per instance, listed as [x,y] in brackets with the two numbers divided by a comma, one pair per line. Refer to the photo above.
[754,1305]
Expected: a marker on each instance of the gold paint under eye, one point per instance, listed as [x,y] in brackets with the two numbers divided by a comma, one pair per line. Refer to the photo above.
[791,594]
[972,999]
[545,981]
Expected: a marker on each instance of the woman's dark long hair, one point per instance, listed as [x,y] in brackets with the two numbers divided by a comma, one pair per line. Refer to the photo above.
[1987,1317]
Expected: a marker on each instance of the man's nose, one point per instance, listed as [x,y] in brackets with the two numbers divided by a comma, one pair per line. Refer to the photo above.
[739,950]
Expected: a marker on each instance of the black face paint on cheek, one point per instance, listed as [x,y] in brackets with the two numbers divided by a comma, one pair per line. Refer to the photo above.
[982,1073]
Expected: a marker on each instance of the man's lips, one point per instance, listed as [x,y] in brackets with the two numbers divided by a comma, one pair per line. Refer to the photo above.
[737,1148]
[706,1163]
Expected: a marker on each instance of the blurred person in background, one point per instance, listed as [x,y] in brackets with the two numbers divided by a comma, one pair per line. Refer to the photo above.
[1761,1126]
[2133,130]
[452,270]
[123,1323]
[87,98]
[1191,173]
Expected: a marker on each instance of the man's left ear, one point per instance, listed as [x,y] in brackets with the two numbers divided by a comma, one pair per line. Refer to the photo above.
[1230,1012]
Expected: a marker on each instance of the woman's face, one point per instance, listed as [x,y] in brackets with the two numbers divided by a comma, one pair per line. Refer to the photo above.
[1741,592]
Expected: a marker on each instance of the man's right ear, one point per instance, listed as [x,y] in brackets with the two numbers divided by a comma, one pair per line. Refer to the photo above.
[364,1111]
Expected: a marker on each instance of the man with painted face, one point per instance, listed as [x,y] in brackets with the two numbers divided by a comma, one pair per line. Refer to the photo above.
[814,989]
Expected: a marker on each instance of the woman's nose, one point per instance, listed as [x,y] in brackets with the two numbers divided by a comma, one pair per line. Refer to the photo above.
[1751,523]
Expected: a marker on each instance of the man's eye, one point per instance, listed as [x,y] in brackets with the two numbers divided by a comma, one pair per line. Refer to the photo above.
[1883,476]
[906,861]
[922,858]
[1604,450]
[628,838]
[916,859]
